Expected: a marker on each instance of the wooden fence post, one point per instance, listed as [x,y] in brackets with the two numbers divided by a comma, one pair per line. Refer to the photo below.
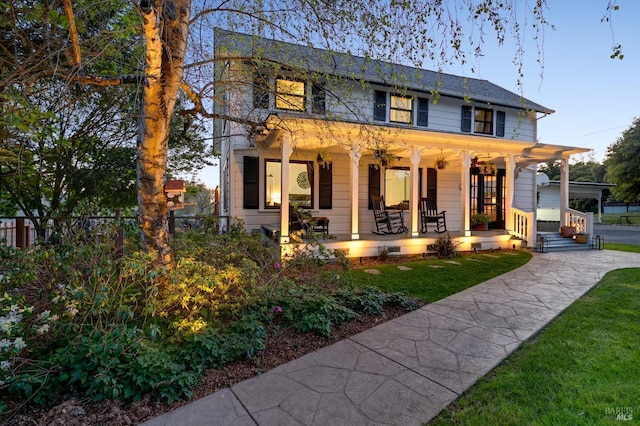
[20,237]
[172,223]
[119,237]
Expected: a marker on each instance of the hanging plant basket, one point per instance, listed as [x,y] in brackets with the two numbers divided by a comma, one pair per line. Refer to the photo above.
[441,162]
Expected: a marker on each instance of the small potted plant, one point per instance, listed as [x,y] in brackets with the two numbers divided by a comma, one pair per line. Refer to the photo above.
[480,222]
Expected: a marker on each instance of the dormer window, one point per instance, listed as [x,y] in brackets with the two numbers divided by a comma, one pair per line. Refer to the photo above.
[290,94]
[401,109]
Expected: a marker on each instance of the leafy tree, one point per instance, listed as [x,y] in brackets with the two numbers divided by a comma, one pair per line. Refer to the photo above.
[70,161]
[623,165]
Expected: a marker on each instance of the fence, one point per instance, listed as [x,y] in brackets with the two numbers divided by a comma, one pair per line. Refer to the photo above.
[20,232]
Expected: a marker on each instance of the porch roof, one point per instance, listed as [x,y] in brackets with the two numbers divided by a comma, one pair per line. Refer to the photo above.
[340,136]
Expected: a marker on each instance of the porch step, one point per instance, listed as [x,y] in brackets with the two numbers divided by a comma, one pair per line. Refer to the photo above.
[553,241]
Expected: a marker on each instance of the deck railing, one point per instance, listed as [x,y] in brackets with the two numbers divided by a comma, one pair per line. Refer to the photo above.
[522,225]
[581,220]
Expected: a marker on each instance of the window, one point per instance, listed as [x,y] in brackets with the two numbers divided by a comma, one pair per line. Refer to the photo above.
[318,99]
[300,184]
[290,94]
[380,106]
[423,112]
[260,90]
[483,121]
[400,109]
[397,185]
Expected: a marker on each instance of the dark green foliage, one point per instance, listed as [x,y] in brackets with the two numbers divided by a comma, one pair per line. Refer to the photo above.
[623,165]
[117,328]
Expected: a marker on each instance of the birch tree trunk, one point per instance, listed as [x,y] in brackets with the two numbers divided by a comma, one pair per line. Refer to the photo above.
[165,31]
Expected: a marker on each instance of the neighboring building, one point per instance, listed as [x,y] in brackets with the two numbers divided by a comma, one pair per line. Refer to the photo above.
[339,129]
[549,196]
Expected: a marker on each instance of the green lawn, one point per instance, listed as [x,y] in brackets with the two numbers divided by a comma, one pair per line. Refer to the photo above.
[584,368]
[634,248]
[432,280]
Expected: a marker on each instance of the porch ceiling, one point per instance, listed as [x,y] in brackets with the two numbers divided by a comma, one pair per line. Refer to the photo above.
[338,136]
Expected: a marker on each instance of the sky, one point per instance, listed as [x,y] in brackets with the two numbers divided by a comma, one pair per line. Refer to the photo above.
[595,98]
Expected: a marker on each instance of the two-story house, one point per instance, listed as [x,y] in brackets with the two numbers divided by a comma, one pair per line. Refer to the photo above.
[328,132]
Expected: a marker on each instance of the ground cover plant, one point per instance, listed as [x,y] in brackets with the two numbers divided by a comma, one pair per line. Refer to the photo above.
[74,317]
[582,369]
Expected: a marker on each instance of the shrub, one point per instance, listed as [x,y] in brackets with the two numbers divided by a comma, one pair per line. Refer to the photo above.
[445,246]
[73,317]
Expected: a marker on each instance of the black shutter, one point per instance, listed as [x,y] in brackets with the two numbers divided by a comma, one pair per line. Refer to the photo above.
[500,120]
[325,186]
[465,125]
[432,184]
[380,106]
[260,91]
[250,182]
[318,99]
[423,112]
[374,182]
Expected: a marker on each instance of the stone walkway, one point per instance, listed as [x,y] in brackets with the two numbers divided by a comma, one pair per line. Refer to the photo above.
[405,371]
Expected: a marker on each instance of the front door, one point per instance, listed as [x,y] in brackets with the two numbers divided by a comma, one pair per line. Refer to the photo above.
[487,196]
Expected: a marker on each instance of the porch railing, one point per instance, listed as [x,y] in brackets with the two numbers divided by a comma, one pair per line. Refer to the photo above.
[522,225]
[581,220]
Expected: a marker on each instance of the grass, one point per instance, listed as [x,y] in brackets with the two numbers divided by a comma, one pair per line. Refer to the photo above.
[582,369]
[431,280]
[634,248]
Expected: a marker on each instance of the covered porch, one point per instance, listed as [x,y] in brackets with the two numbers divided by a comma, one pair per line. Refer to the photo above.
[460,190]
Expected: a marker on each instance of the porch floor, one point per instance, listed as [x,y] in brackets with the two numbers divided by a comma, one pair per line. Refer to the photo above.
[370,244]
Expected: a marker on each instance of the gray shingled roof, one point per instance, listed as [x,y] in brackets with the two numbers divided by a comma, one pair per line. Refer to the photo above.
[376,72]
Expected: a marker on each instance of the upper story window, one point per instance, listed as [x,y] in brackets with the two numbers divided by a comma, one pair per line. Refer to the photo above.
[290,94]
[401,109]
[482,121]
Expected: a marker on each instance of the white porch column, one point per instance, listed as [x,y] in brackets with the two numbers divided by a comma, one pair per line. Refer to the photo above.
[465,189]
[414,172]
[599,206]
[510,162]
[564,190]
[354,156]
[285,152]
